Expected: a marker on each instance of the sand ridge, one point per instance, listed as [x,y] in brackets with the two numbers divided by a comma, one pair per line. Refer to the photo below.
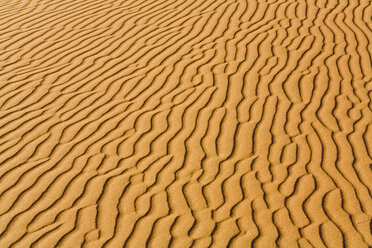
[185,123]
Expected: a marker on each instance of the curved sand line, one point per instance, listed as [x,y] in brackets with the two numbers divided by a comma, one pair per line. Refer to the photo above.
[179,123]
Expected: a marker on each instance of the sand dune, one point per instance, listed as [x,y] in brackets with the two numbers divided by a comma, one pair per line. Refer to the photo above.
[185,123]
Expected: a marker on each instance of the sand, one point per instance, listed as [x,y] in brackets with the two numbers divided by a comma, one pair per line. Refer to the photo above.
[185,123]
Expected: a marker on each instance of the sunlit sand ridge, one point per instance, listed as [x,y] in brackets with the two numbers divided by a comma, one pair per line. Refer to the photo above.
[185,123]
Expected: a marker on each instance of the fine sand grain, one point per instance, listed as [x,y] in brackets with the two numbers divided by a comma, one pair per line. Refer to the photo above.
[185,123]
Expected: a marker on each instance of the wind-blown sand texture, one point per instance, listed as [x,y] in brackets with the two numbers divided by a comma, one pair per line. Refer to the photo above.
[185,123]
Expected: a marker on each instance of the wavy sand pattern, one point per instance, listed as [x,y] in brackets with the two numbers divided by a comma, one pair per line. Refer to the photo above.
[185,123]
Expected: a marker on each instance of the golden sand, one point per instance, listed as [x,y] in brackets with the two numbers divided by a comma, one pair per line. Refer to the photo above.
[185,123]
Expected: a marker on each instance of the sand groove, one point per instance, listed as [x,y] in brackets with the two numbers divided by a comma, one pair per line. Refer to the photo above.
[180,123]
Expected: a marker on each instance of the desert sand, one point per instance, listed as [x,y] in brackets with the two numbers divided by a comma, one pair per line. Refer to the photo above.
[185,123]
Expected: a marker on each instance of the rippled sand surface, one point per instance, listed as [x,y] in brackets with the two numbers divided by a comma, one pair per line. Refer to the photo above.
[185,123]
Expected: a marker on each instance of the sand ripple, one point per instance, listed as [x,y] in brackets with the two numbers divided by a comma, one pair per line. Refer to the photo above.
[185,123]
